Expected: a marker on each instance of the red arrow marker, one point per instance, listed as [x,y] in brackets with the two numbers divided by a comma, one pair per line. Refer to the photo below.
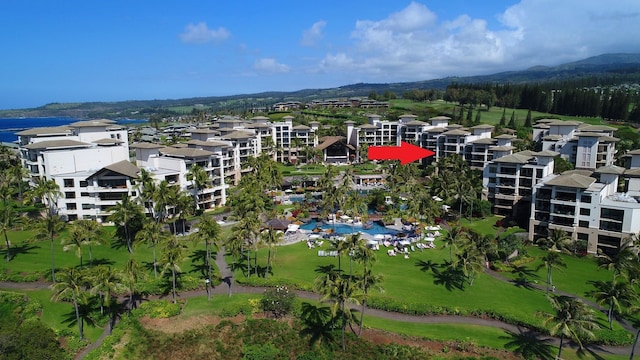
[406,153]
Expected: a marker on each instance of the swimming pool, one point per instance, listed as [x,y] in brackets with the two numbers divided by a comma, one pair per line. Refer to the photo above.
[345,229]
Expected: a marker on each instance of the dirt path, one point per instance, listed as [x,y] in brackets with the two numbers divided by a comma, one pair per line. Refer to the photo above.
[228,287]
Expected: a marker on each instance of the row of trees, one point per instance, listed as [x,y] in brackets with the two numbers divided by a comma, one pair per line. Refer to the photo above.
[562,98]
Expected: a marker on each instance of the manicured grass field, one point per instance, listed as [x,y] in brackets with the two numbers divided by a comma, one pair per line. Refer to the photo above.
[410,282]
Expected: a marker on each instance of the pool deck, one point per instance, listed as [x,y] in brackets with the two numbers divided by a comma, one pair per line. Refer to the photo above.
[303,235]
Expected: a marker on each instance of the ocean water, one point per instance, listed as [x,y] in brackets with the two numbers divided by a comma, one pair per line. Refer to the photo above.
[9,126]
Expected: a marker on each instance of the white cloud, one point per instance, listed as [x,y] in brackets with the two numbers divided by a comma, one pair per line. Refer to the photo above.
[270,66]
[200,33]
[312,35]
[414,44]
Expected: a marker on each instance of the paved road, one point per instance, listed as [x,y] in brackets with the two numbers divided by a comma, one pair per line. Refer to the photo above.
[229,287]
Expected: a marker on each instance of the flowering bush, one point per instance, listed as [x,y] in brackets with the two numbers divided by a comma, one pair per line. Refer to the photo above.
[278,301]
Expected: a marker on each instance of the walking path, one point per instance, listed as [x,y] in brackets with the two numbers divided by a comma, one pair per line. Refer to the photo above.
[228,287]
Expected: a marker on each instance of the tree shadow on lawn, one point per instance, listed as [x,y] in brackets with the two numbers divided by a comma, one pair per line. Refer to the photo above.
[86,308]
[445,274]
[529,344]
[15,250]
[524,278]
[101,261]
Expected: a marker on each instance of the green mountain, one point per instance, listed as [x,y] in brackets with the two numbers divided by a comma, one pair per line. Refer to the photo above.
[623,68]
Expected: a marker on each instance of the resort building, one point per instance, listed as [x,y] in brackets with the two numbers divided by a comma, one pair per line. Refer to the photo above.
[89,160]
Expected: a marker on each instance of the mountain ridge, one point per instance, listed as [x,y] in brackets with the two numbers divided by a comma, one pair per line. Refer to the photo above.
[623,65]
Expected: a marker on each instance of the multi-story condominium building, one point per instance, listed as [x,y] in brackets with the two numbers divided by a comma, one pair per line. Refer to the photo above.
[89,160]
[588,205]
[375,133]
[585,146]
[509,178]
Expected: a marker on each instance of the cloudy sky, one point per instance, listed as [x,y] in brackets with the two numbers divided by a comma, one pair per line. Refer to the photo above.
[72,51]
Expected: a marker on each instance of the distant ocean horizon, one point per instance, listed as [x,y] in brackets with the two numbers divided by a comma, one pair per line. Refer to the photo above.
[10,126]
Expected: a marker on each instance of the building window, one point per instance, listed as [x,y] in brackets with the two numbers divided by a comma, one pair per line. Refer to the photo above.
[86,206]
[584,224]
[584,211]
[71,206]
[585,199]
[68,182]
[70,195]
[84,194]
[84,183]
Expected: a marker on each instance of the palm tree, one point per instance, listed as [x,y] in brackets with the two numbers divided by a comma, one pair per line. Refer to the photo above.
[336,288]
[271,238]
[368,281]
[107,281]
[616,295]
[620,262]
[572,319]
[208,231]
[152,234]
[557,240]
[353,246]
[131,274]
[48,228]
[146,187]
[48,192]
[553,260]
[8,219]
[172,256]
[198,175]
[69,285]
[74,241]
[455,236]
[471,262]
[123,213]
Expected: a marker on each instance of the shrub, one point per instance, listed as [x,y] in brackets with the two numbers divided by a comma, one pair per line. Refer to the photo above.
[157,309]
[260,352]
[278,301]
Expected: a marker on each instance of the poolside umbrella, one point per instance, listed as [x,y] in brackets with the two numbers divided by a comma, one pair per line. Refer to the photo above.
[278,224]
[317,230]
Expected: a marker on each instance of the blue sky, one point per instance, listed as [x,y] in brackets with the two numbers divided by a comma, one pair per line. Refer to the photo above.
[73,51]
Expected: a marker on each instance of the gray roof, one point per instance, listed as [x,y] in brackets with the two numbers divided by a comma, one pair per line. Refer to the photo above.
[572,181]
[55,144]
[145,145]
[485,141]
[107,141]
[502,148]
[456,132]
[557,122]
[207,143]
[597,128]
[124,167]
[505,136]
[440,118]
[91,123]
[553,137]
[237,135]
[517,158]
[633,172]
[482,126]
[45,131]
[204,131]
[416,123]
[549,153]
[186,152]
[301,127]
[610,169]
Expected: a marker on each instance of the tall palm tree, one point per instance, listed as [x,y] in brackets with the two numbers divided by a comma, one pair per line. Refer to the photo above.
[152,234]
[146,187]
[172,256]
[208,231]
[572,319]
[556,240]
[368,281]
[620,262]
[454,238]
[200,179]
[123,213]
[471,262]
[336,288]
[48,192]
[132,272]
[48,229]
[553,260]
[8,219]
[69,285]
[74,241]
[162,200]
[353,246]
[271,238]
[616,296]
[106,282]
